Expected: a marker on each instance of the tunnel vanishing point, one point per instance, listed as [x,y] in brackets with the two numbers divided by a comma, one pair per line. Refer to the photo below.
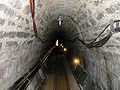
[88,53]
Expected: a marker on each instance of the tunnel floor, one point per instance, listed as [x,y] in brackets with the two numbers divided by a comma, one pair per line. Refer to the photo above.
[60,76]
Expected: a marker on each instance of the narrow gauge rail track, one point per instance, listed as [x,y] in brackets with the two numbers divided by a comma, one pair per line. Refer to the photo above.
[61,81]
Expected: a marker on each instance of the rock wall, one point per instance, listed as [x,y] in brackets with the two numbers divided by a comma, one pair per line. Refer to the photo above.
[19,48]
[102,63]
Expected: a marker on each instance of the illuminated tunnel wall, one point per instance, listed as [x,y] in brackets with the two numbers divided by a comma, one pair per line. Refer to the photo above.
[20,49]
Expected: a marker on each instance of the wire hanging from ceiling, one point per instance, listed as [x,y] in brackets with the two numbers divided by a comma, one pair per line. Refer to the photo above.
[101,42]
[32,6]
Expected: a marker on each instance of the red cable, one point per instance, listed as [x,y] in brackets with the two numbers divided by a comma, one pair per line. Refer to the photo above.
[32,6]
[35,27]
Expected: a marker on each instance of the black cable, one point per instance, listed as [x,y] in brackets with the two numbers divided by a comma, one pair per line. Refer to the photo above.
[97,43]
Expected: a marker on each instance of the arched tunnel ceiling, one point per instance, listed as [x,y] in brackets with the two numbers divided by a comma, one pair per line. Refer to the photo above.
[78,16]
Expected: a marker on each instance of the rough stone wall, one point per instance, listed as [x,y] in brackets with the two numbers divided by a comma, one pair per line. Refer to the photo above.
[89,17]
[102,63]
[19,48]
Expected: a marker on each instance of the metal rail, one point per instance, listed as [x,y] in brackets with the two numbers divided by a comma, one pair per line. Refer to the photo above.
[80,86]
[65,76]
[90,75]
[25,80]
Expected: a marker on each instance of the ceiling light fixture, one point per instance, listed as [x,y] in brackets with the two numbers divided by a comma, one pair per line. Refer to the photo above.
[60,20]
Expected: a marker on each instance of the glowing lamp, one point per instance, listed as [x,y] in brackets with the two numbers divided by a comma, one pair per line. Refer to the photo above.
[57,44]
[65,49]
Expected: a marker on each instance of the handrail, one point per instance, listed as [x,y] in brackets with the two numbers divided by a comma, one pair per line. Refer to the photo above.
[25,80]
[80,86]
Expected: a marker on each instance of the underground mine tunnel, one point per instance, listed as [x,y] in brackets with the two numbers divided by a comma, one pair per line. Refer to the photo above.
[88,59]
